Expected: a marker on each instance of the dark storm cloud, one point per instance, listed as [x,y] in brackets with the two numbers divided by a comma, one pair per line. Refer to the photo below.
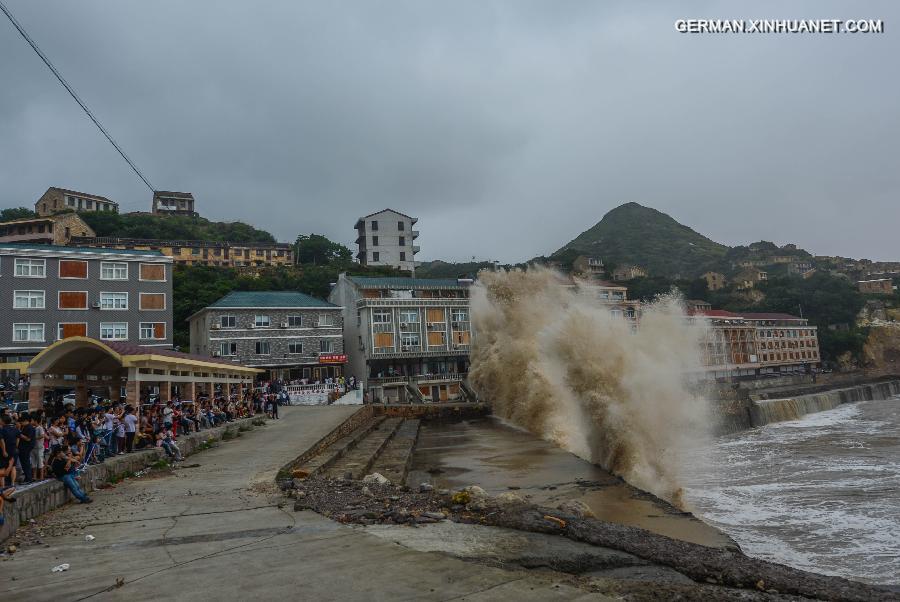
[506,127]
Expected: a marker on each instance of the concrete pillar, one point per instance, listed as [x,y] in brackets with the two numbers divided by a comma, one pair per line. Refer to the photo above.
[188,391]
[36,392]
[165,391]
[81,400]
[133,394]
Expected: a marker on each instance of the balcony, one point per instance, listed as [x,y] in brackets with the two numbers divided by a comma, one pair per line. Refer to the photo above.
[416,249]
[414,233]
[411,302]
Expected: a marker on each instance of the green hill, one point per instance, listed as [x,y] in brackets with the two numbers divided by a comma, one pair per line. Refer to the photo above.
[634,234]
[171,227]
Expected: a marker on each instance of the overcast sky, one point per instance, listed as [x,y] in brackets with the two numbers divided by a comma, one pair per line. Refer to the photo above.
[507,128]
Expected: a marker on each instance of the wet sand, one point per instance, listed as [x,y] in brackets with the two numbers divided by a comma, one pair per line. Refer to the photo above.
[500,458]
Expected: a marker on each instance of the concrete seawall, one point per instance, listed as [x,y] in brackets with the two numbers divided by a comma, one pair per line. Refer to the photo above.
[743,414]
[51,494]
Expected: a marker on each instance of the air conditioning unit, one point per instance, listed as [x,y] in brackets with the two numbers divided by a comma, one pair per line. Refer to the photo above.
[403,324]
[253,326]
[215,354]
[284,324]
[95,305]
[404,348]
[216,326]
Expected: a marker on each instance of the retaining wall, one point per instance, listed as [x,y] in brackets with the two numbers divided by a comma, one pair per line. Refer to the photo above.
[52,494]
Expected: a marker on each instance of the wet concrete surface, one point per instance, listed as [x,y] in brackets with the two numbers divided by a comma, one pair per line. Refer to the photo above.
[499,458]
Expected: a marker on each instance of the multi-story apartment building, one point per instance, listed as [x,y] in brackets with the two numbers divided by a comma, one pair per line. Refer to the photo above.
[60,199]
[49,293]
[714,280]
[202,252]
[55,229]
[628,272]
[291,335]
[408,338]
[750,344]
[173,203]
[387,238]
[784,342]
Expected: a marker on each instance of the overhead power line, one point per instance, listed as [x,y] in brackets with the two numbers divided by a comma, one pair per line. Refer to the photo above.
[80,102]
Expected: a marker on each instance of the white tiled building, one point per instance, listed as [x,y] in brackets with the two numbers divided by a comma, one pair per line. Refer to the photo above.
[387,238]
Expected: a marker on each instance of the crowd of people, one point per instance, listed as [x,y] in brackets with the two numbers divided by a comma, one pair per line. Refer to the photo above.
[62,441]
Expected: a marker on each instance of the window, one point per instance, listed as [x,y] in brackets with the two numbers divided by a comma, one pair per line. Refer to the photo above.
[28,299]
[31,268]
[154,272]
[71,329]
[227,321]
[437,338]
[72,300]
[113,300]
[381,316]
[374,241]
[325,320]
[326,346]
[113,270]
[375,224]
[461,337]
[459,315]
[152,301]
[409,339]
[295,321]
[295,347]
[434,314]
[28,333]
[226,348]
[410,316]
[402,239]
[69,268]
[401,226]
[114,331]
[153,330]
[402,256]
[262,347]
[261,321]
[376,256]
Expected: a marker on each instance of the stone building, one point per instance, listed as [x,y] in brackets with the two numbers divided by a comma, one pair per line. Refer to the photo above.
[628,272]
[292,336]
[61,199]
[749,278]
[714,280]
[58,229]
[173,203]
[387,238]
[48,293]
[408,338]
[591,267]
[878,286]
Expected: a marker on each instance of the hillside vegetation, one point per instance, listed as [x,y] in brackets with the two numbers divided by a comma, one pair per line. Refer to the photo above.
[634,234]
[177,227]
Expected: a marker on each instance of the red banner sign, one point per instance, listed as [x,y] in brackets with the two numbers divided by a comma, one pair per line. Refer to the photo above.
[333,359]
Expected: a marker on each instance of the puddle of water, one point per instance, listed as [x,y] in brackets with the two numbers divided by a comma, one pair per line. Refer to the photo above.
[501,458]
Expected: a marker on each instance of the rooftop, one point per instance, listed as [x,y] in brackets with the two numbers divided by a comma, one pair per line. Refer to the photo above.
[414,219]
[402,283]
[82,194]
[269,299]
[24,246]
[770,316]
[174,195]
[125,348]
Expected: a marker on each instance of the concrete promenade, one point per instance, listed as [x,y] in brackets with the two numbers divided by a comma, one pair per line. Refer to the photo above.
[217,532]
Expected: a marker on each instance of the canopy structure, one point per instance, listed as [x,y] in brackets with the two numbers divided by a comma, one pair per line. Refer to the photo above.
[107,367]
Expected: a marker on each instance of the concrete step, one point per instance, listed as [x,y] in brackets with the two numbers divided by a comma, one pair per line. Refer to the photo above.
[358,460]
[394,461]
[341,447]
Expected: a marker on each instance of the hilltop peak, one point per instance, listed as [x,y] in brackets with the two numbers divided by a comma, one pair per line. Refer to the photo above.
[634,234]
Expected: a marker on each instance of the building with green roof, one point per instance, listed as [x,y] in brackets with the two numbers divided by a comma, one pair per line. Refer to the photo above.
[292,335]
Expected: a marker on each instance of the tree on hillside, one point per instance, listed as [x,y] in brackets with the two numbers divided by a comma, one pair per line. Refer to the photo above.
[316,249]
[171,227]
[12,213]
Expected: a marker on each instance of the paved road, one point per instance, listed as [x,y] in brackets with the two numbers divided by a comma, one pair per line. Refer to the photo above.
[216,532]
